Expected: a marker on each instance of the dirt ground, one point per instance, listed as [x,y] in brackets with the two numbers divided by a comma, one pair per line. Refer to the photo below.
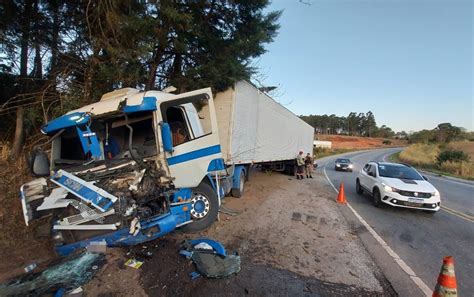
[290,235]
[354,142]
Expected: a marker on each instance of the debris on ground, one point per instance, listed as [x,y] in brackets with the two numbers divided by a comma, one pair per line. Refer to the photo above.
[210,258]
[97,247]
[134,263]
[30,267]
[71,272]
[229,211]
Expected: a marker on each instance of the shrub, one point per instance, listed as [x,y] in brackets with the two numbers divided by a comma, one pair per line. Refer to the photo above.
[465,169]
[452,156]
[420,154]
[387,142]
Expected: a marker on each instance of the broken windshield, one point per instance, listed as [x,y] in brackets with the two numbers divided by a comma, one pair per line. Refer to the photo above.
[106,139]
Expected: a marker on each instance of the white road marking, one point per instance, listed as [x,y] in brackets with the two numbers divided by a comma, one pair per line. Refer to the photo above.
[418,281]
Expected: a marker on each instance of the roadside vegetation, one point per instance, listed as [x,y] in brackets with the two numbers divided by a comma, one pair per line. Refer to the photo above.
[342,144]
[446,150]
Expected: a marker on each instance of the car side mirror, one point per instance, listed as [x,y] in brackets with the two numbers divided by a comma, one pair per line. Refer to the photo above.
[39,163]
[371,174]
[166,137]
[425,178]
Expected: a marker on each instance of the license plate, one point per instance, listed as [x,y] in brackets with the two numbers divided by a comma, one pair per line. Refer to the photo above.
[415,200]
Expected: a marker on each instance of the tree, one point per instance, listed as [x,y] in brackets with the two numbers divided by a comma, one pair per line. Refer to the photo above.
[445,132]
[71,52]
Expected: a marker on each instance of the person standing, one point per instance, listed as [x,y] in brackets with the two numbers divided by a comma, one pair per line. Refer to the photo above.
[300,165]
[308,162]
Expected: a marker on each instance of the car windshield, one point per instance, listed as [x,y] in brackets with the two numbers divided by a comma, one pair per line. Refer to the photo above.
[398,171]
[343,161]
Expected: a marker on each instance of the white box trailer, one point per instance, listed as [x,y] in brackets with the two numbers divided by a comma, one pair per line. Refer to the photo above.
[254,128]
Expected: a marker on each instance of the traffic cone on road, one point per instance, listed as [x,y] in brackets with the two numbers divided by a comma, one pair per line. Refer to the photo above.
[446,285]
[341,197]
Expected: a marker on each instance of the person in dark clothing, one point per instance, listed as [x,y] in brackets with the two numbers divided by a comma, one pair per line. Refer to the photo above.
[308,162]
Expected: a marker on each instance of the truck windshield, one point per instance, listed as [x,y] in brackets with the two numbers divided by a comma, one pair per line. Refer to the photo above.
[110,136]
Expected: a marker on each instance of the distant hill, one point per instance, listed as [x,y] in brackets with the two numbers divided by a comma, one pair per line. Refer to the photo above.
[355,142]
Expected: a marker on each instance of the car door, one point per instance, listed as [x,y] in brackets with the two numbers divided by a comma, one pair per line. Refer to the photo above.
[192,120]
[371,177]
[364,178]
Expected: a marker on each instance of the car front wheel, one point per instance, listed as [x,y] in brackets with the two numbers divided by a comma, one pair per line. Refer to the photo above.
[359,188]
[377,201]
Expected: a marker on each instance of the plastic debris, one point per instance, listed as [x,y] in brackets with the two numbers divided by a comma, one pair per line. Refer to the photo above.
[187,254]
[212,265]
[30,267]
[215,262]
[134,263]
[203,246]
[77,292]
[194,275]
[97,247]
[217,247]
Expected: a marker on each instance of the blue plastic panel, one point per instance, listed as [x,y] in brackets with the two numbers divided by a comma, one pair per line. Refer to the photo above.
[89,141]
[148,104]
[65,121]
[166,137]
[165,223]
[216,165]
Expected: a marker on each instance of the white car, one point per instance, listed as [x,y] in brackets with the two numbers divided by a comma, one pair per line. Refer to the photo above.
[397,185]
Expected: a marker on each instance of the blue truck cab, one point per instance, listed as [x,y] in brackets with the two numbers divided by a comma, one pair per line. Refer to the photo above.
[130,168]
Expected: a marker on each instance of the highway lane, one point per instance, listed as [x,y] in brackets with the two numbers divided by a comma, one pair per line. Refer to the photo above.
[419,238]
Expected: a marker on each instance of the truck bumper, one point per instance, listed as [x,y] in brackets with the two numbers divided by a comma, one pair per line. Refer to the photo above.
[151,229]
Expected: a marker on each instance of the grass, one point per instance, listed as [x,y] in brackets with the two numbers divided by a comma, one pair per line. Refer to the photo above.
[424,157]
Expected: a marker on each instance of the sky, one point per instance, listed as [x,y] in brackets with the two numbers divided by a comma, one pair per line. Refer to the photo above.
[410,62]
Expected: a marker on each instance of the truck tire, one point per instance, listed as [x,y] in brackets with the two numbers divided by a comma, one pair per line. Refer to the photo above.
[205,208]
[239,192]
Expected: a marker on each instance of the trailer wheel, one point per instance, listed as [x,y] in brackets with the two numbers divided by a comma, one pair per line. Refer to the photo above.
[238,192]
[205,208]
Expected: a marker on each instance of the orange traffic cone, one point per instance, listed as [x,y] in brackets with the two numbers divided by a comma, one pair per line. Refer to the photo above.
[446,285]
[341,197]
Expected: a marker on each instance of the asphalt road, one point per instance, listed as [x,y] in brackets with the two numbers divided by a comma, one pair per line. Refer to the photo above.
[420,239]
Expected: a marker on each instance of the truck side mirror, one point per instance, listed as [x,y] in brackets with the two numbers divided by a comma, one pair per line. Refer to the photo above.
[39,163]
[166,137]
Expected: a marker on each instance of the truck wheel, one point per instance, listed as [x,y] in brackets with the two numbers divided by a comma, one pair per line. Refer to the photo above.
[359,188]
[238,192]
[204,209]
[377,201]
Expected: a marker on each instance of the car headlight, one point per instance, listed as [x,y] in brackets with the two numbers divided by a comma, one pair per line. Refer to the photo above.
[350,165]
[338,165]
[388,188]
[436,193]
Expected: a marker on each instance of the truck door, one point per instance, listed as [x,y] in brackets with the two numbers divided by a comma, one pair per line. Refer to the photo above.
[192,119]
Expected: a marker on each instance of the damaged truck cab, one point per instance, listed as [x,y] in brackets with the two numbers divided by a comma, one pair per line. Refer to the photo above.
[129,169]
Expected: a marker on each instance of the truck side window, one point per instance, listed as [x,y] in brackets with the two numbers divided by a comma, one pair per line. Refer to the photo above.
[189,118]
[177,122]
